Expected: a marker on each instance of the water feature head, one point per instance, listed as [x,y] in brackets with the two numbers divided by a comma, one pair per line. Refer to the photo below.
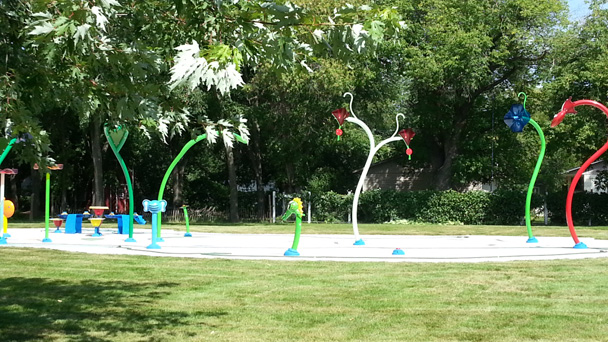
[407,135]
[154,206]
[517,117]
[567,108]
[340,115]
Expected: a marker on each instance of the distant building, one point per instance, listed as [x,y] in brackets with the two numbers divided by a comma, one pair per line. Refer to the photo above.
[390,175]
[587,181]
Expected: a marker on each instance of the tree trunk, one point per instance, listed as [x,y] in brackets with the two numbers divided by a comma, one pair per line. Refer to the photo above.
[178,186]
[35,199]
[443,175]
[255,154]
[177,176]
[64,199]
[234,199]
[97,161]
[291,176]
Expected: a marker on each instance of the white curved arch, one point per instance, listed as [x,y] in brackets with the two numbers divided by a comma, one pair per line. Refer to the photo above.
[397,120]
[351,103]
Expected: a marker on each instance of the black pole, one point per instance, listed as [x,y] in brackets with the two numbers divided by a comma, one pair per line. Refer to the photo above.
[492,167]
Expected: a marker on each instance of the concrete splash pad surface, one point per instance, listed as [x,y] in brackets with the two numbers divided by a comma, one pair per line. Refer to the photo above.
[321,247]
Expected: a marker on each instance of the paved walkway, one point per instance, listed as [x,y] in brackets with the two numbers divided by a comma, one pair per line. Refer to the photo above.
[416,248]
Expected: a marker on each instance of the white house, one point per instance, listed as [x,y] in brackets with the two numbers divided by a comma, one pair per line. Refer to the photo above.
[390,175]
[587,181]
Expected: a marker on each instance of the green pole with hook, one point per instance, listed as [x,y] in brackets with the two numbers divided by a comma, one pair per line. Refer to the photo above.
[181,154]
[7,149]
[539,162]
[116,149]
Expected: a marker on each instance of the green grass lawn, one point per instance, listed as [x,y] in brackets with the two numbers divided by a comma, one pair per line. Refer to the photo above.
[50,295]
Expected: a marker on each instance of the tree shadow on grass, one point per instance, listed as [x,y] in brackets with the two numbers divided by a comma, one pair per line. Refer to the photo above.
[34,309]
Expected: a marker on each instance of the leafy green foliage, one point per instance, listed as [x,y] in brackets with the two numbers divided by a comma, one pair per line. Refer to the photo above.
[454,55]
[475,207]
[280,34]
[587,208]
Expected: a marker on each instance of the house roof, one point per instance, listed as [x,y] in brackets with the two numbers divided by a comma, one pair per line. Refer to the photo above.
[592,164]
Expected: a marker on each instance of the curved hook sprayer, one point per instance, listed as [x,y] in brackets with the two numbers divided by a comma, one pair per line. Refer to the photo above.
[350,105]
[517,118]
[568,108]
[397,122]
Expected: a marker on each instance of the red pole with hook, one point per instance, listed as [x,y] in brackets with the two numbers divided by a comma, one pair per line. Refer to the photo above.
[569,108]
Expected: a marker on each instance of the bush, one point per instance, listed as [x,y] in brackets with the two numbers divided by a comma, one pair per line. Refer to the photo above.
[587,208]
[476,207]
[331,207]
[451,206]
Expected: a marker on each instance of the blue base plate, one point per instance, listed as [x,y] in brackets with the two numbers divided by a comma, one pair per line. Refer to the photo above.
[398,251]
[532,240]
[160,239]
[153,245]
[97,235]
[47,240]
[2,241]
[130,240]
[6,235]
[359,242]
[580,245]
[291,252]
[187,235]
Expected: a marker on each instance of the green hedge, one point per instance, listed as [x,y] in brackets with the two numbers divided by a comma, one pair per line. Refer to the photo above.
[587,208]
[475,207]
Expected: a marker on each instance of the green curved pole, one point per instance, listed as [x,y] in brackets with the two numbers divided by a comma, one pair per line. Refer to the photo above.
[534,175]
[161,191]
[185,207]
[47,197]
[7,149]
[185,149]
[292,209]
[123,166]
[296,235]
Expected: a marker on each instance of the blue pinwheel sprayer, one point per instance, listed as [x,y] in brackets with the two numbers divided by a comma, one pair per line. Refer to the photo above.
[516,118]
[294,207]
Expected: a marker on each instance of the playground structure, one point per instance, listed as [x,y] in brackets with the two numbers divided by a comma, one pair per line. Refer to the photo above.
[406,135]
[569,108]
[516,119]
[294,207]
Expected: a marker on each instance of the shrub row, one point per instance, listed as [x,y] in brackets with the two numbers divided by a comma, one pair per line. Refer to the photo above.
[587,208]
[377,206]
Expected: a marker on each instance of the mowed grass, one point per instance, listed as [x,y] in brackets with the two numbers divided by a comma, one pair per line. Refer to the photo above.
[50,295]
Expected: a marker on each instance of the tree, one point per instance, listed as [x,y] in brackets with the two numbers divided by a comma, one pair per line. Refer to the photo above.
[109,59]
[455,53]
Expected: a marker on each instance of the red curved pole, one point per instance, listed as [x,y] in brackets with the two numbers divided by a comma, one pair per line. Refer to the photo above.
[569,108]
